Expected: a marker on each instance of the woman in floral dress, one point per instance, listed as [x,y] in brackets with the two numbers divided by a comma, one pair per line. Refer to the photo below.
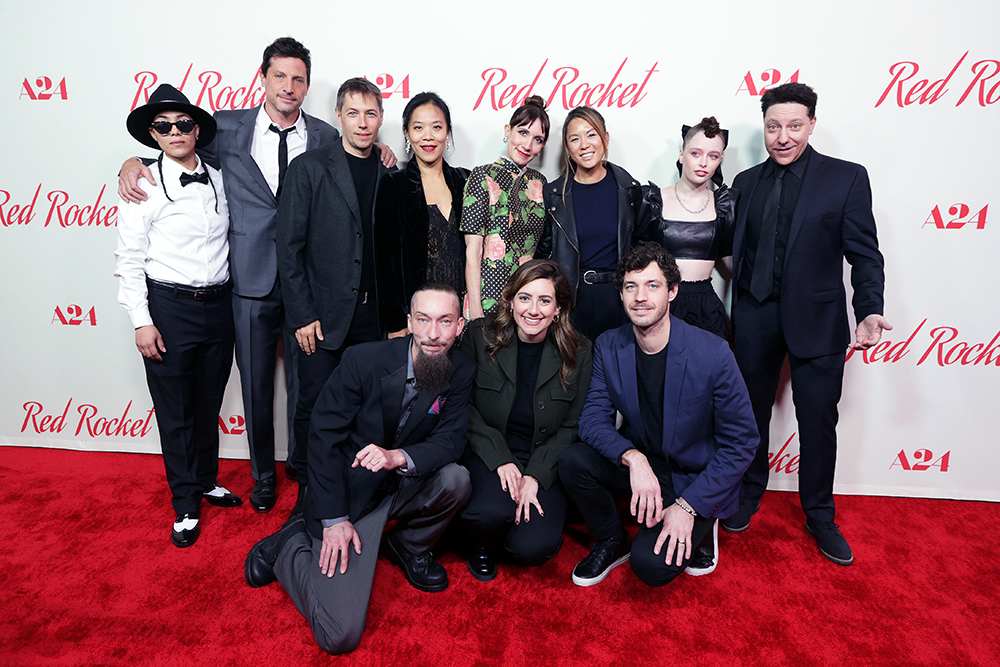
[503,214]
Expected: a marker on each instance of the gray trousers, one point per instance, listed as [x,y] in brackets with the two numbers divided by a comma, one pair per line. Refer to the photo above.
[337,607]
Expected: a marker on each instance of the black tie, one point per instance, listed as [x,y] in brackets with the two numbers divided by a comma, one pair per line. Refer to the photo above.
[282,154]
[194,178]
[762,280]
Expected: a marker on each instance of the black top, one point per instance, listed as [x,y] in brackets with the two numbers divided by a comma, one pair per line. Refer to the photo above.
[708,239]
[650,373]
[364,171]
[521,422]
[445,248]
[791,185]
[596,207]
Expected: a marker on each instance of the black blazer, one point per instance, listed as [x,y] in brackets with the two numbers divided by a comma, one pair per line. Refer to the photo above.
[361,404]
[833,220]
[400,235]
[319,242]
[559,240]
[557,409]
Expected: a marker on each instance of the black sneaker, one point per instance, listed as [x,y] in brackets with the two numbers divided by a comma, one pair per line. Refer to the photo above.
[706,556]
[831,542]
[604,556]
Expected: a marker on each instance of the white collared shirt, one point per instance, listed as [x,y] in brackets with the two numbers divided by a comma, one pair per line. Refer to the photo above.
[184,241]
[264,147]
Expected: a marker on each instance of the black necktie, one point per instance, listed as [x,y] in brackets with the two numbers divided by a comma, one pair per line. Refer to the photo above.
[194,178]
[282,154]
[762,280]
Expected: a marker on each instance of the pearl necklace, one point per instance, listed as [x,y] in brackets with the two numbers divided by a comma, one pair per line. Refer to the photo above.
[707,199]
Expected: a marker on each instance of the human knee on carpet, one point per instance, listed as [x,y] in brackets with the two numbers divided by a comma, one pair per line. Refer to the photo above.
[687,437]
[532,373]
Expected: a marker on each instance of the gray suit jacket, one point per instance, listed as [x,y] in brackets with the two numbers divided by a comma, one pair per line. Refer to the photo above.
[252,208]
[319,239]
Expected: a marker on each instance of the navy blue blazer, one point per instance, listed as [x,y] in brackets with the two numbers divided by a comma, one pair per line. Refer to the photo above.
[832,220]
[709,433]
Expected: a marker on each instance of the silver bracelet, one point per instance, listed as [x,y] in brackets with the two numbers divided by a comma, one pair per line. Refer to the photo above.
[677,501]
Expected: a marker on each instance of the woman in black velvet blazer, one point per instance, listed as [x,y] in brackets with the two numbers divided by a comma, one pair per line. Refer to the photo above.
[417,210]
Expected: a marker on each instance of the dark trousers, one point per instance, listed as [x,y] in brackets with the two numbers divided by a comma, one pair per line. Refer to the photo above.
[592,481]
[598,309]
[490,515]
[760,349]
[187,387]
[260,323]
[316,368]
[337,607]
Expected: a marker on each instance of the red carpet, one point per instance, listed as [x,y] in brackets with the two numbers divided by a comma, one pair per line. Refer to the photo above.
[88,576]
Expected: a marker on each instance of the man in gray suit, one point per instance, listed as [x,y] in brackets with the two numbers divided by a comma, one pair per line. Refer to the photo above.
[326,254]
[253,148]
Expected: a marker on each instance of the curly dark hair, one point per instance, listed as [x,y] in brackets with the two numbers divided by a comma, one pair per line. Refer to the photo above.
[641,256]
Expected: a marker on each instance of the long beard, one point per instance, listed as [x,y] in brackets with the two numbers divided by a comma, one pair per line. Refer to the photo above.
[431,372]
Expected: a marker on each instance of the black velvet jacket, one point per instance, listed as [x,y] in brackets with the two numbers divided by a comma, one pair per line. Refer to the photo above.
[400,237]
[559,240]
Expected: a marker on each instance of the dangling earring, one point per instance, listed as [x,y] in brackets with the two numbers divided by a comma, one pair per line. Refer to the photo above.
[556,318]
[447,143]
[505,139]
[408,147]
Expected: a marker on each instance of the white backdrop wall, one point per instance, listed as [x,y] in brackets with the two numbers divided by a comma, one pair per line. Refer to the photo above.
[911,91]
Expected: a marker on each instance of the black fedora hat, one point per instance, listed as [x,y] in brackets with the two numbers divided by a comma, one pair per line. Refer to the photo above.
[168,98]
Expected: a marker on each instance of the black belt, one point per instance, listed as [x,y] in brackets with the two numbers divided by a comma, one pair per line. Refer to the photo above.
[595,277]
[210,293]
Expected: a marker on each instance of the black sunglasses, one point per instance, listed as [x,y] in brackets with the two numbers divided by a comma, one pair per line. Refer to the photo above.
[185,126]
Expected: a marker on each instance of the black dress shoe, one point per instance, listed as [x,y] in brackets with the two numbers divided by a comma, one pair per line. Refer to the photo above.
[185,536]
[740,521]
[291,472]
[423,572]
[259,566]
[831,542]
[604,556]
[263,496]
[481,565]
[222,497]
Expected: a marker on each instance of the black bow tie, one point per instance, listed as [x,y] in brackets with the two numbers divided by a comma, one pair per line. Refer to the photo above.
[194,178]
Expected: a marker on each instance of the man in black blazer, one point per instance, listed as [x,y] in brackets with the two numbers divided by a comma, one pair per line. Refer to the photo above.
[800,216]
[326,254]
[386,434]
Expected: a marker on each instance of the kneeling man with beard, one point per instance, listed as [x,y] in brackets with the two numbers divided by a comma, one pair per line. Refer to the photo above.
[384,439]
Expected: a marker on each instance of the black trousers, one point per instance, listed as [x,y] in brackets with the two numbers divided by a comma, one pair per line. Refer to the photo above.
[592,481]
[598,309]
[187,387]
[490,515]
[316,368]
[760,349]
[260,323]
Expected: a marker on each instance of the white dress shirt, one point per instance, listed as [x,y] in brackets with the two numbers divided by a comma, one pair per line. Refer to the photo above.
[264,147]
[184,241]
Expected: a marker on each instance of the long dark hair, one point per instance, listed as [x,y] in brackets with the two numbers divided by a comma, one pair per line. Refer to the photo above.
[503,329]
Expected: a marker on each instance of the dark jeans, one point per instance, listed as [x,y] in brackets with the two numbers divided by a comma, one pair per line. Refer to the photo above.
[592,481]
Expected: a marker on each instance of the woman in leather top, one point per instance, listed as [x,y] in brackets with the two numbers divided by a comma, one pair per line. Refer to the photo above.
[416,215]
[694,222]
[590,221]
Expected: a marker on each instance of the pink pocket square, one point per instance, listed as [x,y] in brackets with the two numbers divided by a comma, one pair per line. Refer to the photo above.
[436,407]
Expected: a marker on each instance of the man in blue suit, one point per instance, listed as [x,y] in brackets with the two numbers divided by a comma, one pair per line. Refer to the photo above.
[687,435]
[253,148]
[801,214]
